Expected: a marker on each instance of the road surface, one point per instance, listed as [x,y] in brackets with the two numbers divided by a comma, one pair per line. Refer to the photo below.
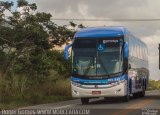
[148,105]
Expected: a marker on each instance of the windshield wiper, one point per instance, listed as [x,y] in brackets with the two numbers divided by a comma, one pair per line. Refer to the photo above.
[110,75]
[87,70]
[118,73]
[104,67]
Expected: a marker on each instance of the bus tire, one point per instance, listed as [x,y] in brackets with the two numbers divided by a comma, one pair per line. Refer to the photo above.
[84,100]
[145,84]
[142,94]
[135,95]
[126,98]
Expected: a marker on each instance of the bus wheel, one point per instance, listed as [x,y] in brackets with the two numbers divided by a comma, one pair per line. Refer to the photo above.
[135,95]
[84,100]
[126,98]
[142,94]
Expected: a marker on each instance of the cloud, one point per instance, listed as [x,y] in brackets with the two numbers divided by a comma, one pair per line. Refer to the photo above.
[152,43]
[112,9]
[149,32]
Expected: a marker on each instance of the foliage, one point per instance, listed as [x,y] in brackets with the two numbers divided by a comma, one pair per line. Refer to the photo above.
[154,85]
[28,40]
[21,90]
[30,69]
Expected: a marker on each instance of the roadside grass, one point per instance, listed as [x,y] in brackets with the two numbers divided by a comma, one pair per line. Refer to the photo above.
[24,103]
[20,91]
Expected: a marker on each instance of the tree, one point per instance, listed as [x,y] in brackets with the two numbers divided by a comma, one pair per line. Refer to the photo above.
[28,38]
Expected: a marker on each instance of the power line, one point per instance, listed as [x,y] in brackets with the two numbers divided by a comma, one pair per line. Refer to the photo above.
[110,20]
[102,20]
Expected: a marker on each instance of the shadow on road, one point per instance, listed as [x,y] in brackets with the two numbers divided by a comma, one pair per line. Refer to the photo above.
[155,97]
[107,101]
[115,100]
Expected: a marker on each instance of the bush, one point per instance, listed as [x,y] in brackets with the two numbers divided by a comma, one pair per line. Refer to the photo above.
[21,88]
[155,85]
[62,87]
[149,88]
[13,87]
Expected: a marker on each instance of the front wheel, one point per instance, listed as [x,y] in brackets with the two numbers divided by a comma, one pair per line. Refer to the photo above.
[135,95]
[142,94]
[126,98]
[84,100]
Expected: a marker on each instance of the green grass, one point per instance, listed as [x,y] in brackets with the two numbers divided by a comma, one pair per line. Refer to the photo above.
[23,103]
[21,91]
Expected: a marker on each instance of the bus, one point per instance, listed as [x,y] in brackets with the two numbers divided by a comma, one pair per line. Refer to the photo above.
[107,62]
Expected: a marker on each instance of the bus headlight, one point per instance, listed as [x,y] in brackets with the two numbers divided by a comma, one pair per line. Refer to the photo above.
[75,92]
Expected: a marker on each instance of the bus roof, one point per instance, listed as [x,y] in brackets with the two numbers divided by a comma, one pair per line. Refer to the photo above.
[94,32]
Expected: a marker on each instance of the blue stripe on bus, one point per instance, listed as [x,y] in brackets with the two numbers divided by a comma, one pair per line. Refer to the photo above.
[102,81]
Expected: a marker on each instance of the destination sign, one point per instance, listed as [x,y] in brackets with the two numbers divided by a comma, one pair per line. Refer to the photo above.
[110,41]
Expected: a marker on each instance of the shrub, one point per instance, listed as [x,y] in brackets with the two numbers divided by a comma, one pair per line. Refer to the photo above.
[20,88]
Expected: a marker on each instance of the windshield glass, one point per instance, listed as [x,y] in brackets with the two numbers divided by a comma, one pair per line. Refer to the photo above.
[96,57]
[84,62]
[109,62]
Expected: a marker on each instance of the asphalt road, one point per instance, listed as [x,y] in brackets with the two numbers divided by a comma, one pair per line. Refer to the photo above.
[148,105]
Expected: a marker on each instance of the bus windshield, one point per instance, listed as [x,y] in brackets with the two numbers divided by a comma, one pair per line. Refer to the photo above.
[96,57]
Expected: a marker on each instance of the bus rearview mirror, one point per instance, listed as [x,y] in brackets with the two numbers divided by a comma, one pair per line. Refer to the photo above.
[126,50]
[66,52]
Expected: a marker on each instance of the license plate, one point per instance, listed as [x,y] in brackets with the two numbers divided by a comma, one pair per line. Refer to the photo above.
[96,92]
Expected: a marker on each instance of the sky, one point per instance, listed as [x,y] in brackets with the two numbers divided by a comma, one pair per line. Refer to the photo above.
[149,32]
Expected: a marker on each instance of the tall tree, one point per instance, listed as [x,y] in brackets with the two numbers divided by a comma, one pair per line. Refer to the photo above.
[29,35]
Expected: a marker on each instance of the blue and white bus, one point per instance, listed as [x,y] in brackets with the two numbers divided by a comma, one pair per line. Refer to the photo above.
[107,62]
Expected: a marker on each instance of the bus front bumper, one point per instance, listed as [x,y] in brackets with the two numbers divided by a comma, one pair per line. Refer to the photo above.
[113,90]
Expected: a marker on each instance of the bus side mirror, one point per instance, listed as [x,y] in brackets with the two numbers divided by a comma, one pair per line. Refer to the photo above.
[126,50]
[66,52]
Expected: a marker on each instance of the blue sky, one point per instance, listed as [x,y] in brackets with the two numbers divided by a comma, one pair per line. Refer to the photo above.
[15,3]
